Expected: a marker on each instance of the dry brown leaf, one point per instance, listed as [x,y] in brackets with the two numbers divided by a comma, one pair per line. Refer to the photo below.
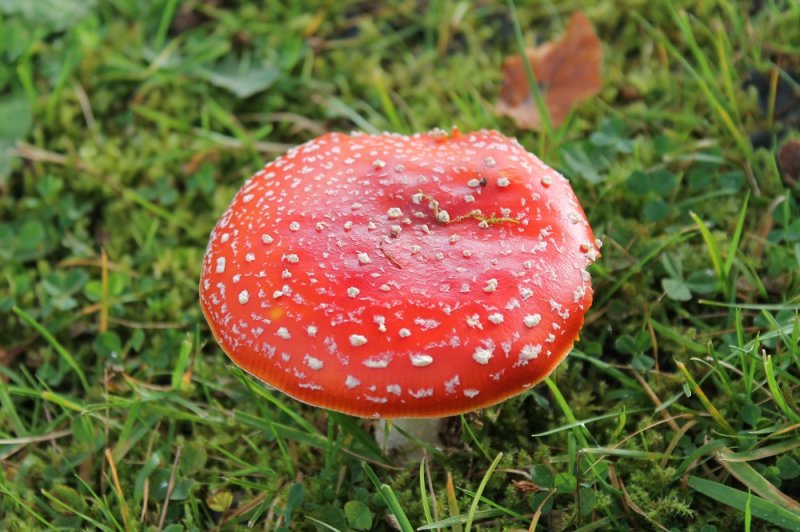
[567,71]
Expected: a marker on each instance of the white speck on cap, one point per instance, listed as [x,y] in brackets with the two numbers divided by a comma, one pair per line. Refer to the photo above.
[311,330]
[532,320]
[351,382]
[473,183]
[313,363]
[244,297]
[443,216]
[421,361]
[221,265]
[395,212]
[363,258]
[474,321]
[404,333]
[529,352]
[265,238]
[353,291]
[294,226]
[283,332]
[482,355]
[293,258]
[503,182]
[357,340]
[250,257]
[491,285]
[496,318]
[578,294]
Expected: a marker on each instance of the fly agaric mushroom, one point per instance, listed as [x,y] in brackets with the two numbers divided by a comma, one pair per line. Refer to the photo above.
[396,276]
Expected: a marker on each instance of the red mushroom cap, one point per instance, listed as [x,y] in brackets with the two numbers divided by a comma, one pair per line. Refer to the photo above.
[395,276]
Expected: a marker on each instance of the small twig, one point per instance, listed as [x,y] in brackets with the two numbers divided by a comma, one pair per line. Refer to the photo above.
[389,255]
[476,214]
[35,439]
[26,151]
[170,489]
[86,106]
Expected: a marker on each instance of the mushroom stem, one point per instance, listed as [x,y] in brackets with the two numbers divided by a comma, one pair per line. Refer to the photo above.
[408,437]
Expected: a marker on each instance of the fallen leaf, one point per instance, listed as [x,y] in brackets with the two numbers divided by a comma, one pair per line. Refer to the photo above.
[567,71]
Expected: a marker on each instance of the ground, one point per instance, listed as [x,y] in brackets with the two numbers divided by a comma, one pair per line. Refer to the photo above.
[125,129]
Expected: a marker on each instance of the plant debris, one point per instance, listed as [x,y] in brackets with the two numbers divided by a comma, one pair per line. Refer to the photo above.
[567,71]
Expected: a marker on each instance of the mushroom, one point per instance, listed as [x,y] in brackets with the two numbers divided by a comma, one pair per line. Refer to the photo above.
[391,276]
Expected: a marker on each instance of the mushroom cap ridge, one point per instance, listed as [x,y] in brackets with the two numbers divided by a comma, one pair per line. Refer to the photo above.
[400,276]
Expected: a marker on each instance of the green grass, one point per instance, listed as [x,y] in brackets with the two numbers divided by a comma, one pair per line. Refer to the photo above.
[125,129]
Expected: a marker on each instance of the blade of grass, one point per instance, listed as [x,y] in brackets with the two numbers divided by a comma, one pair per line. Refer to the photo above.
[474,506]
[63,353]
[736,238]
[776,392]
[756,482]
[423,491]
[713,250]
[709,406]
[389,497]
[452,501]
[738,499]
[456,521]
[580,431]
[584,422]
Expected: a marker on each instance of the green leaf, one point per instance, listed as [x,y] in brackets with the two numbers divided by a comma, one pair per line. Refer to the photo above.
[329,517]
[219,501]
[193,458]
[542,476]
[108,345]
[297,495]
[676,289]
[585,160]
[702,282]
[788,466]
[53,15]
[661,182]
[588,499]
[359,517]
[242,80]
[15,118]
[565,482]
[69,500]
[751,414]
[655,210]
